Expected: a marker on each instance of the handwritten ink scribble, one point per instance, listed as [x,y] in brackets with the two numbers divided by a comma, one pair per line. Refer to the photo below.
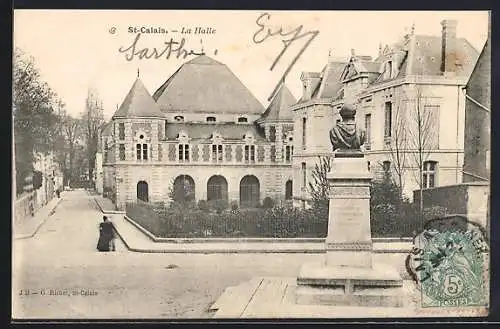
[170,48]
[266,32]
[288,38]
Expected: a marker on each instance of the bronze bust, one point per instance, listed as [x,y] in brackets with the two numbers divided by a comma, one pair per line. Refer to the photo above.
[344,135]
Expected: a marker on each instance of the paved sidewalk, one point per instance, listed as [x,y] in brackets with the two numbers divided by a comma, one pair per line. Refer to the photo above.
[30,226]
[136,240]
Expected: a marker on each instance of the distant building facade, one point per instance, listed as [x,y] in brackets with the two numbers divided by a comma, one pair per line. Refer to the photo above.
[416,82]
[477,119]
[201,136]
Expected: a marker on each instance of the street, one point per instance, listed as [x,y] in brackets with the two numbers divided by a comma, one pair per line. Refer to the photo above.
[61,262]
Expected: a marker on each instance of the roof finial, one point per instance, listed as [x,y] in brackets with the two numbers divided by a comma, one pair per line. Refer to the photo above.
[137,73]
[330,55]
[353,53]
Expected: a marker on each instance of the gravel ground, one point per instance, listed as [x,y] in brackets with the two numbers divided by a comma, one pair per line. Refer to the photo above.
[61,259]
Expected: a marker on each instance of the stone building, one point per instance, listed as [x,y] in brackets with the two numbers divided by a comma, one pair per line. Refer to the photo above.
[477,118]
[415,82]
[202,135]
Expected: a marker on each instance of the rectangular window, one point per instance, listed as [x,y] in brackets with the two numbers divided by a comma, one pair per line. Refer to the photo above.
[144,151]
[288,153]
[388,119]
[304,133]
[304,175]
[430,123]
[217,155]
[250,153]
[368,129]
[272,133]
[121,131]
[183,152]
[429,174]
[122,152]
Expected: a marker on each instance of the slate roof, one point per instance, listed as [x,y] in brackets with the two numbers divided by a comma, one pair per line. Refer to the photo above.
[204,85]
[426,58]
[330,84]
[203,131]
[279,108]
[138,103]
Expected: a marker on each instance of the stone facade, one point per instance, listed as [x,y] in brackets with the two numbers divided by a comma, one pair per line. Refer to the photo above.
[404,85]
[238,157]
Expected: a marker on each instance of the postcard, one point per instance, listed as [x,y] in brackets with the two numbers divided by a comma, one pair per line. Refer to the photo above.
[214,164]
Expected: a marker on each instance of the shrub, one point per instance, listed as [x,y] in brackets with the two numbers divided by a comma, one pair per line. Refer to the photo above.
[234,205]
[218,205]
[203,205]
[268,203]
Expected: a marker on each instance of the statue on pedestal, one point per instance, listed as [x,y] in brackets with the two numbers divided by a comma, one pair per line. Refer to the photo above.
[344,135]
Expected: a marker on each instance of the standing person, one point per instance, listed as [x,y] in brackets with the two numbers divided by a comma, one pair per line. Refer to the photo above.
[106,235]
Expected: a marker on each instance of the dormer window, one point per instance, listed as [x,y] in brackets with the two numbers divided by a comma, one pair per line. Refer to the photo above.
[211,119]
[179,118]
[183,137]
[248,138]
[242,119]
[388,71]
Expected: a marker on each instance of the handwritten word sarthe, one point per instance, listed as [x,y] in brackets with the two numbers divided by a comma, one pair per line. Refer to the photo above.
[171,47]
[288,38]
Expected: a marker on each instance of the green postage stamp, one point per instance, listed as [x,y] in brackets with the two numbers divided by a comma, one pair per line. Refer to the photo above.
[449,267]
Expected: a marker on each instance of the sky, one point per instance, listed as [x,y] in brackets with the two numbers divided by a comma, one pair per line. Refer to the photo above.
[80,49]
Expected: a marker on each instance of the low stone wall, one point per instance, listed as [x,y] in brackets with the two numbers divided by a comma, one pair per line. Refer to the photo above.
[24,207]
[469,199]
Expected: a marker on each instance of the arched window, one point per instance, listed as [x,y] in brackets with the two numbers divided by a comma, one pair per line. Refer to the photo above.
[242,119]
[184,188]
[217,188]
[142,191]
[429,174]
[249,192]
[211,119]
[288,190]
[179,118]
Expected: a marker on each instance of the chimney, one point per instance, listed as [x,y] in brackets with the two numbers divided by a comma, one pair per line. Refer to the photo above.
[309,80]
[449,46]
[306,83]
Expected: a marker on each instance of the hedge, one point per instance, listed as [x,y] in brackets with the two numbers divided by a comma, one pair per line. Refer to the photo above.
[277,222]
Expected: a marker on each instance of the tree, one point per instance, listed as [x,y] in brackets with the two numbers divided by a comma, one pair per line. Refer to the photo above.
[422,134]
[398,146]
[93,120]
[34,118]
[319,187]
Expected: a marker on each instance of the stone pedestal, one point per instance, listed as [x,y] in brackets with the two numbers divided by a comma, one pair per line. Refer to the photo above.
[347,276]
